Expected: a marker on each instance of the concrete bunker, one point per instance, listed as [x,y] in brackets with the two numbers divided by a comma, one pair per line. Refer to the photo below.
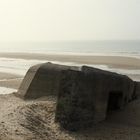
[85,94]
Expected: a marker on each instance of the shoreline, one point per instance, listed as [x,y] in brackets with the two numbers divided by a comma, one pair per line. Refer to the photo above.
[11,81]
[112,61]
[121,64]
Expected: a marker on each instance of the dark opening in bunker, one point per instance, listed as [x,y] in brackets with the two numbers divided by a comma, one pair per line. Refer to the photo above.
[114,100]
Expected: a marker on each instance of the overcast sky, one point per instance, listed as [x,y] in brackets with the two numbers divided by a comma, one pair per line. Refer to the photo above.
[48,20]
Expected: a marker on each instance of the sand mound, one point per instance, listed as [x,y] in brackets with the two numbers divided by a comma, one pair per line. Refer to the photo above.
[30,120]
[34,120]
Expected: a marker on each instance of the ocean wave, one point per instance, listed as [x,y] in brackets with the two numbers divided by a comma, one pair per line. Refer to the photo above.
[21,66]
[5,90]
[17,66]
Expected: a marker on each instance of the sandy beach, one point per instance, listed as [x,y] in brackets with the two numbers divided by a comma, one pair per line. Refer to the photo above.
[34,120]
[70,70]
[112,61]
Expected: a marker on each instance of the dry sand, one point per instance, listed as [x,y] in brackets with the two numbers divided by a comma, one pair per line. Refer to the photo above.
[34,120]
[28,120]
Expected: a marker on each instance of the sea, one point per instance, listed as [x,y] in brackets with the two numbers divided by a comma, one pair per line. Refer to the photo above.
[102,48]
[123,48]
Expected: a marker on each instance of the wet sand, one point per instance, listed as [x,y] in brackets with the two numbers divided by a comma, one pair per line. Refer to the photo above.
[112,61]
[10,80]
[116,62]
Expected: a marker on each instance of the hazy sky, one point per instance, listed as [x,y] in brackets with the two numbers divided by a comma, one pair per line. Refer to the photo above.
[47,20]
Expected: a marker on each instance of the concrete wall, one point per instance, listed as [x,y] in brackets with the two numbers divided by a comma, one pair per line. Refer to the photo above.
[137,90]
[42,80]
[75,106]
[105,83]
[27,81]
[83,96]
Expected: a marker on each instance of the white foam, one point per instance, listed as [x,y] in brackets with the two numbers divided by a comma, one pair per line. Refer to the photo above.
[17,66]
[5,90]
[104,67]
[20,66]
